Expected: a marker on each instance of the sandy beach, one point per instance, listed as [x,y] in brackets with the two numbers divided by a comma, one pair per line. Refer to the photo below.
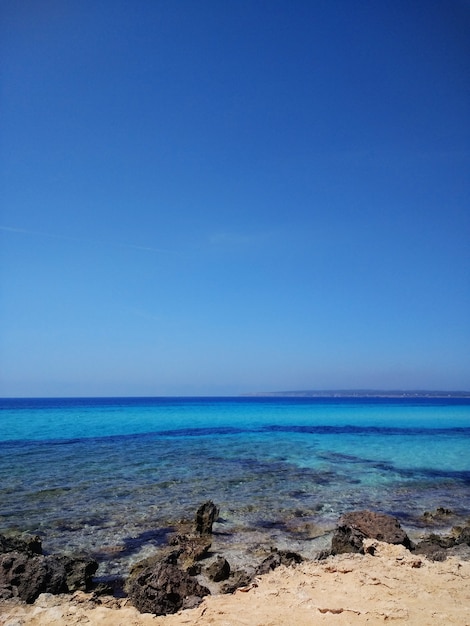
[394,585]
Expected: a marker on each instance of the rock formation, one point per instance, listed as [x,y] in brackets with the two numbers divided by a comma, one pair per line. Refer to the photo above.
[356,526]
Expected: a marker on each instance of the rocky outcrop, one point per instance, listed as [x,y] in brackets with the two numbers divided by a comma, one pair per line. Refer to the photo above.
[356,526]
[164,588]
[206,515]
[439,547]
[29,544]
[25,572]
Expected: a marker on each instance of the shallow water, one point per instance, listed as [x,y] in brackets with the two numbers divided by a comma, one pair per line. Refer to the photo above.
[111,476]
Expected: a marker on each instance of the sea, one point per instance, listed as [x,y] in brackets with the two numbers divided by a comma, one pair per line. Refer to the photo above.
[113,477]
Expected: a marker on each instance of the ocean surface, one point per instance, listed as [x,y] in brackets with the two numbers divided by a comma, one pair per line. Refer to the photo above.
[112,476]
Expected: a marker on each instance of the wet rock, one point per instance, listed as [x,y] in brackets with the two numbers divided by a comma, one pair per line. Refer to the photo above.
[206,515]
[219,570]
[277,558]
[438,515]
[29,544]
[356,526]
[163,589]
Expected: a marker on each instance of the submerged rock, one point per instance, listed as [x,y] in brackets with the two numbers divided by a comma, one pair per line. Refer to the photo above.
[356,526]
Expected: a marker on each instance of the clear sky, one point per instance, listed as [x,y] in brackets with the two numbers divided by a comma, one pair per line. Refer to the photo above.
[204,197]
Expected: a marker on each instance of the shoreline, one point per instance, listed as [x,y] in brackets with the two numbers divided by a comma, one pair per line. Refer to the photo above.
[392,584]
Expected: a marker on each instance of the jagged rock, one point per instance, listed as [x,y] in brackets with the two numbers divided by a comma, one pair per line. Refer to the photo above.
[463,535]
[30,544]
[206,515]
[277,558]
[79,572]
[219,570]
[164,589]
[353,527]
[439,547]
[191,547]
[439,514]
[28,576]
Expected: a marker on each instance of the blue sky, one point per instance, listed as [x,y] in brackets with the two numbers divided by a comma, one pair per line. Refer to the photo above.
[204,197]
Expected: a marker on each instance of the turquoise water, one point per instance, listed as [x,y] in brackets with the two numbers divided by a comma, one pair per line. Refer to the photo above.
[111,476]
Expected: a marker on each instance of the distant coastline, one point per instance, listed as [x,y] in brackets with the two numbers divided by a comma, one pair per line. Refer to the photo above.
[360,393]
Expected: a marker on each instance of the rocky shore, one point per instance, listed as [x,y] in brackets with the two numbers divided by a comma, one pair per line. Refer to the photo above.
[187,580]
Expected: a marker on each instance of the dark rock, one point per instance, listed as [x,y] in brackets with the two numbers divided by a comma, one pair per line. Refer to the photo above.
[439,547]
[28,576]
[79,572]
[164,589]
[29,544]
[432,550]
[191,547]
[219,570]
[463,535]
[237,579]
[354,527]
[277,558]
[439,514]
[206,515]
[322,555]
[194,569]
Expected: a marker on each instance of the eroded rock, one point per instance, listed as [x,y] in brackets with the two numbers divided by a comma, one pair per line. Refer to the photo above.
[206,515]
[164,588]
[356,526]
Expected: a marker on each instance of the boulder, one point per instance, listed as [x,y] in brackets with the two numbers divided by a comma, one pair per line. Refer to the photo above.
[164,588]
[27,576]
[206,515]
[25,572]
[219,570]
[354,527]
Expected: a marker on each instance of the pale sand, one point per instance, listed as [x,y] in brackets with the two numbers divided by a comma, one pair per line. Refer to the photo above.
[394,586]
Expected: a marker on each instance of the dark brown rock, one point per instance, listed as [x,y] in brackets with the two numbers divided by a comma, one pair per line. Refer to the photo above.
[29,544]
[79,572]
[28,576]
[191,548]
[277,558]
[354,527]
[463,535]
[219,570]
[237,579]
[164,589]
[206,515]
